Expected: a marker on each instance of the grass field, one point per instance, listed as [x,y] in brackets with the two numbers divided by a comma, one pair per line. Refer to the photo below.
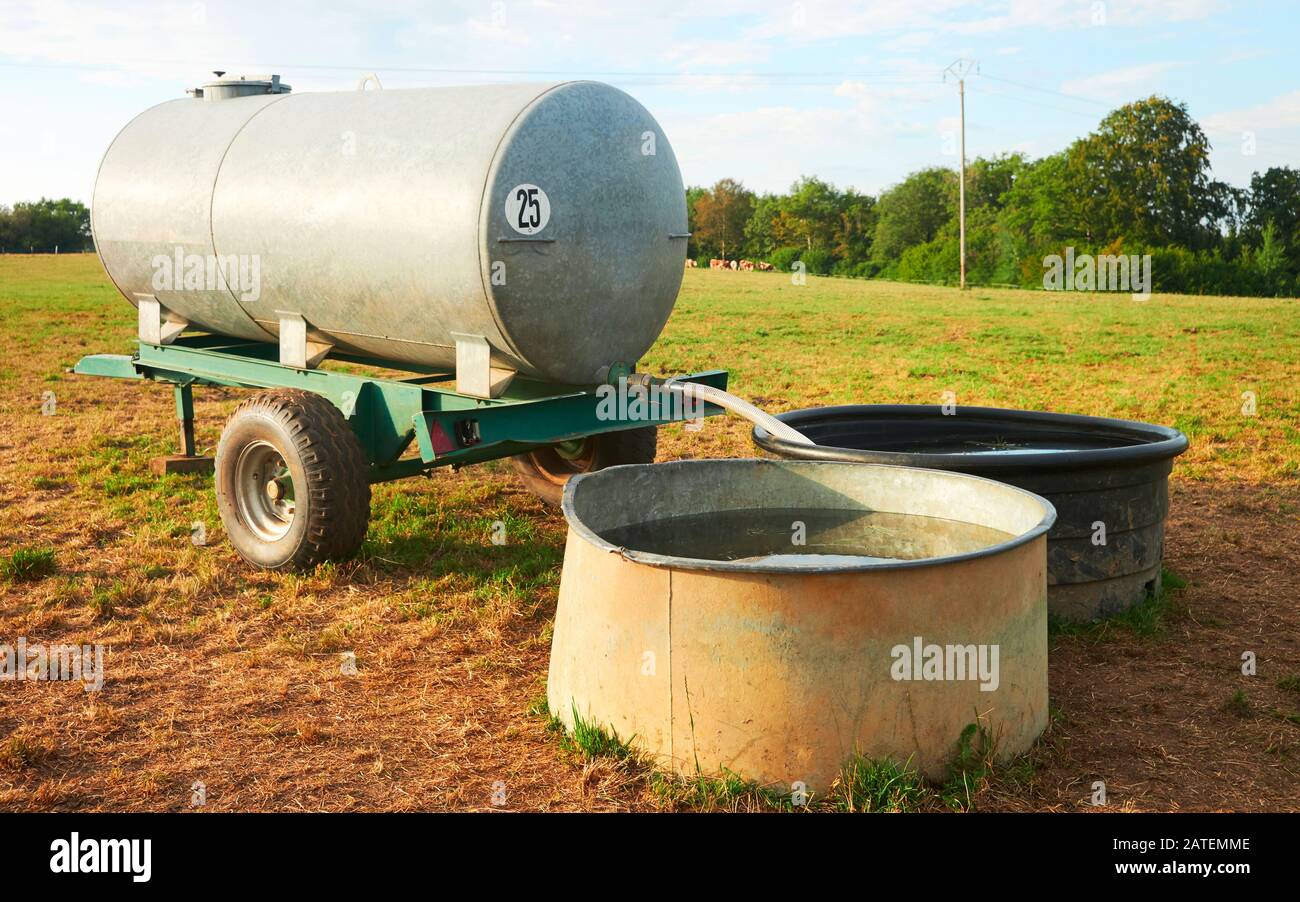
[231,677]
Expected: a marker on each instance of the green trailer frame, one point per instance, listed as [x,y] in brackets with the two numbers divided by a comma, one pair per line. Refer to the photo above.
[388,414]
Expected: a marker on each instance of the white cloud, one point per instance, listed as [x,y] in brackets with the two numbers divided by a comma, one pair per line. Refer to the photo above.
[911,40]
[770,147]
[714,53]
[816,20]
[1059,15]
[1118,84]
[866,143]
[1249,140]
[876,110]
[1282,111]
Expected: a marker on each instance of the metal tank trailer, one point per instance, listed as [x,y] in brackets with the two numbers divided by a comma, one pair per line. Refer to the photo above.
[489,263]
[509,248]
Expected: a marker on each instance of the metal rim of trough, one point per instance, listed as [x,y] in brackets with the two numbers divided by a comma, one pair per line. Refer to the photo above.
[578,522]
[1154,442]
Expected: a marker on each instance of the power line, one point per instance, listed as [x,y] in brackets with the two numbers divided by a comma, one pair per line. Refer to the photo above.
[1047,106]
[1021,84]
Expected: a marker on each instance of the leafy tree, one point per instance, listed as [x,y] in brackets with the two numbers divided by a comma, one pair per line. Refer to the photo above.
[1274,268]
[857,224]
[1040,207]
[813,216]
[1141,183]
[720,217]
[44,225]
[913,212]
[693,194]
[1144,175]
[988,181]
[811,212]
[1274,201]
[1275,198]
[761,231]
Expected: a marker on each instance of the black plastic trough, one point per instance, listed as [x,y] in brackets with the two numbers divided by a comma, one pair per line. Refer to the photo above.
[1094,470]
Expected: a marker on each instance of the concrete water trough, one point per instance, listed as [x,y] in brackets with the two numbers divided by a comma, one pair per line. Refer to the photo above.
[1108,480]
[775,618]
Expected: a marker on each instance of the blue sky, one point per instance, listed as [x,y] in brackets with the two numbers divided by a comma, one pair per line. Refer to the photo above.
[762,92]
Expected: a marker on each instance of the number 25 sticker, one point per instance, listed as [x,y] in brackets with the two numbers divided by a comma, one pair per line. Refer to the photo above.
[528,209]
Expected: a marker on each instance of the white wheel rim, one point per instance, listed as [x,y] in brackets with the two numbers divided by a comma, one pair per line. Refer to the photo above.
[264,491]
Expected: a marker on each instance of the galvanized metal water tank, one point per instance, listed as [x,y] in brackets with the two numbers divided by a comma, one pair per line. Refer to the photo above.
[548,218]
[1107,478]
[779,669]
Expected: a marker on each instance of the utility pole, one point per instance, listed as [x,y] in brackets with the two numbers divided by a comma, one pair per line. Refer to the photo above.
[959,70]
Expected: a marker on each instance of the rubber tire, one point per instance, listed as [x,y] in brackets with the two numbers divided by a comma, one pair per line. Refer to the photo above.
[329,472]
[611,449]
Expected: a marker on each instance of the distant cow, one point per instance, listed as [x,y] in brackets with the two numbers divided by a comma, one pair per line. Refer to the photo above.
[765,267]
[691,264]
[734,264]
[747,265]
[717,264]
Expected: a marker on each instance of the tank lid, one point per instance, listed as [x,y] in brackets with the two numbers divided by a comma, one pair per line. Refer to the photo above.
[223,88]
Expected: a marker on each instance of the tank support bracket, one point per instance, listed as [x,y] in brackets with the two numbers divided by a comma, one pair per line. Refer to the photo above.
[301,347]
[157,324]
[475,374]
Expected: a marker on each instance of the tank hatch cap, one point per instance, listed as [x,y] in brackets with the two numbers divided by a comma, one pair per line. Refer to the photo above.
[223,88]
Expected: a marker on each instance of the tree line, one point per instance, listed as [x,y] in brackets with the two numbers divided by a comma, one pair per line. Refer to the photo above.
[44,226]
[1140,184]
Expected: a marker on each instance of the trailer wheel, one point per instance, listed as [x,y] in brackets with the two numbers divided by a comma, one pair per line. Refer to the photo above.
[546,470]
[292,487]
